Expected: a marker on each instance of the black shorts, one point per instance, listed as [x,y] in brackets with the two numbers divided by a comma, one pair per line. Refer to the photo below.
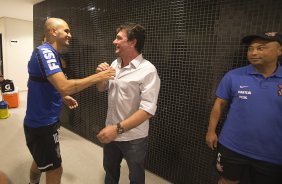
[236,167]
[43,144]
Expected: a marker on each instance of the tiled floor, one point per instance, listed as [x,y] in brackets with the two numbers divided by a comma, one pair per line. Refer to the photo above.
[82,159]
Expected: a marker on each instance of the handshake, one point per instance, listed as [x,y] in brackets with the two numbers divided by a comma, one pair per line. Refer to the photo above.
[105,71]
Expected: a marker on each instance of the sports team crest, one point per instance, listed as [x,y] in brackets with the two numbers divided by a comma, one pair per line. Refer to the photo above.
[280,90]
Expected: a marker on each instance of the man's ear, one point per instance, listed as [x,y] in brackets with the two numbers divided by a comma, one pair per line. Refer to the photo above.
[53,32]
[133,42]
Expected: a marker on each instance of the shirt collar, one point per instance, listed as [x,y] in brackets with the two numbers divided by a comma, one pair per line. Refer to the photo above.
[134,63]
[252,71]
[50,46]
[278,72]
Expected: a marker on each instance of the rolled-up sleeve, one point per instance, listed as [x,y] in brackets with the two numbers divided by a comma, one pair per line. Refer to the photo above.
[150,88]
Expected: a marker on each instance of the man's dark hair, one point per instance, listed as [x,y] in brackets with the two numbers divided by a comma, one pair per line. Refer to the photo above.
[134,31]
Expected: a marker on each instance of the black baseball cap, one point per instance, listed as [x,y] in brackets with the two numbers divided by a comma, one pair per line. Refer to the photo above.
[271,36]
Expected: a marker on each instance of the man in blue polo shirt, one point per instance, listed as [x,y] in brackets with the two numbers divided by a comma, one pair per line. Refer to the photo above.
[250,142]
[47,88]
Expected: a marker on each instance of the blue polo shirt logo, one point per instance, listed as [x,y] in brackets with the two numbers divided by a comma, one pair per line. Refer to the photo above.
[243,94]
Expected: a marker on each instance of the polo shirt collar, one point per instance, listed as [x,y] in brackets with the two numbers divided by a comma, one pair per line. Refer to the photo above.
[252,71]
[278,72]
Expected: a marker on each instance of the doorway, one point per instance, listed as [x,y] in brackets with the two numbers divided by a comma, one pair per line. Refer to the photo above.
[1,59]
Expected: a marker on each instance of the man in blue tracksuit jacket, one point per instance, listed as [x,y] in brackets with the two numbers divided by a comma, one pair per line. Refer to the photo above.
[47,88]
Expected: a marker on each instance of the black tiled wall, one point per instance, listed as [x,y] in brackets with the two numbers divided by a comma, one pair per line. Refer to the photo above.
[191,42]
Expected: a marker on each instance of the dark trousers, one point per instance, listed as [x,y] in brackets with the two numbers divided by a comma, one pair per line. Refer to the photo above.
[134,152]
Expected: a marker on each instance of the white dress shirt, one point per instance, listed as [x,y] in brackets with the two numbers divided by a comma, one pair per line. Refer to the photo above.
[136,86]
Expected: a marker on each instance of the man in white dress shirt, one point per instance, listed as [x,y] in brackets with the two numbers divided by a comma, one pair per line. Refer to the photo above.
[132,100]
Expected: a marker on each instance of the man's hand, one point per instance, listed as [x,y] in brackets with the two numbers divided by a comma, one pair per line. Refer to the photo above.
[102,67]
[108,74]
[100,70]
[70,102]
[211,140]
[107,134]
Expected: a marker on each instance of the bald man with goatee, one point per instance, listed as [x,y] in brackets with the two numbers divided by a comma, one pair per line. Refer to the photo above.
[47,89]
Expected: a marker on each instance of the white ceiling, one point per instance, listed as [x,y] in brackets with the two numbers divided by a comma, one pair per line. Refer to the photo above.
[19,9]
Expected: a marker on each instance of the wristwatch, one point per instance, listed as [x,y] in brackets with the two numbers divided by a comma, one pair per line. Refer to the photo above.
[120,130]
